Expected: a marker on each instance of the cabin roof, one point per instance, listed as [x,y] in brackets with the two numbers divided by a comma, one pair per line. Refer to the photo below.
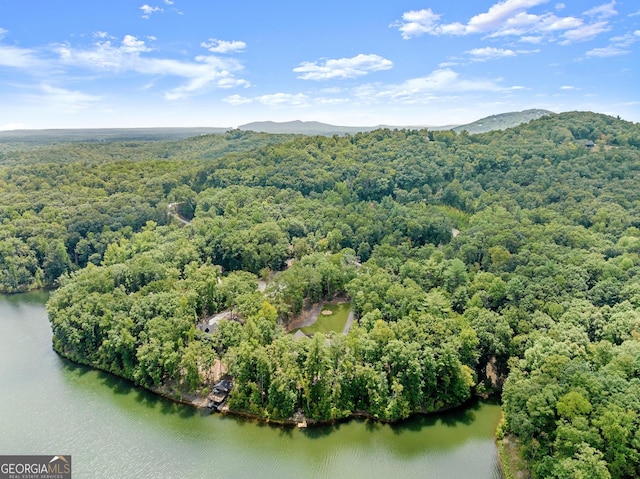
[299,335]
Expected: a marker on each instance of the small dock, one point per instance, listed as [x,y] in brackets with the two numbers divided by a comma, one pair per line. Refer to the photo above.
[218,397]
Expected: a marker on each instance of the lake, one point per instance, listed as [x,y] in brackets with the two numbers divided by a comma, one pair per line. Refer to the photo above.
[111,429]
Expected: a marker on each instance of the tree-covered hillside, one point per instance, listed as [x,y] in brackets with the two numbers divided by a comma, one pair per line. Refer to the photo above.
[515,249]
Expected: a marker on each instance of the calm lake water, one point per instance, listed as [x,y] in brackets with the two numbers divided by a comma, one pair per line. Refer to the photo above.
[114,430]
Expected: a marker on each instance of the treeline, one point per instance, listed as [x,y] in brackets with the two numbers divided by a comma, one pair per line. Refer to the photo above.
[518,249]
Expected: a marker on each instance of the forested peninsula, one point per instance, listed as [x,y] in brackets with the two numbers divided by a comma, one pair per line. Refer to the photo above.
[506,260]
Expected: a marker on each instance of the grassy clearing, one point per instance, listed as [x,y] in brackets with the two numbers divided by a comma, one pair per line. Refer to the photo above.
[327,323]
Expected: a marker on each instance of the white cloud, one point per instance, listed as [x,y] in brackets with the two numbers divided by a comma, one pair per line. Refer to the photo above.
[619,45]
[490,53]
[584,33]
[131,54]
[101,35]
[529,26]
[207,72]
[498,14]
[560,6]
[283,99]
[61,99]
[422,89]
[22,58]
[627,39]
[519,23]
[536,40]
[3,32]
[131,44]
[603,11]
[105,55]
[415,23]
[450,81]
[237,100]
[551,23]
[147,10]
[343,68]
[511,18]
[567,87]
[609,51]
[223,46]
[204,72]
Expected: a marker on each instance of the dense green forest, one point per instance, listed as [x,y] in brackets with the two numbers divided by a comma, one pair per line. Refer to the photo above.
[508,258]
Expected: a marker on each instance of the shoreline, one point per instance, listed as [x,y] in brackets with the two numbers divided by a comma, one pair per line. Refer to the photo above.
[200,402]
[512,464]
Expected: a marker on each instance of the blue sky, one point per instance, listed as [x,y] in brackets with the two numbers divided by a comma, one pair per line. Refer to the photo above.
[127,63]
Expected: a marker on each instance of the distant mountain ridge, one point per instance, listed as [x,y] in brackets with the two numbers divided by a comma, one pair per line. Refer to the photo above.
[305,128]
[298,127]
[493,122]
[502,121]
[36,138]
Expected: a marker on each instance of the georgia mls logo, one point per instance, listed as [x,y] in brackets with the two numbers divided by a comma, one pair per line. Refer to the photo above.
[35,467]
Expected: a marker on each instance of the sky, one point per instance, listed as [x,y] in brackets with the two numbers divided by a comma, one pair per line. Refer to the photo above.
[163,63]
